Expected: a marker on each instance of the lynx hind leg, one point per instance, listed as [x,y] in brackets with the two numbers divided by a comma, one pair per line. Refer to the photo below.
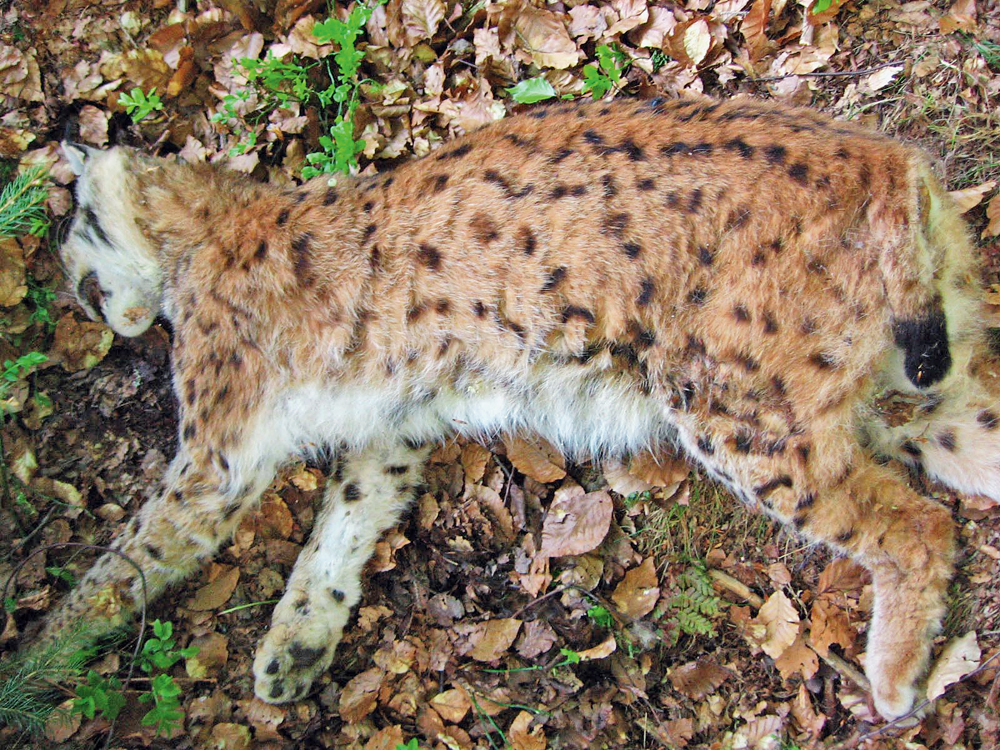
[821,483]
[168,538]
[366,495]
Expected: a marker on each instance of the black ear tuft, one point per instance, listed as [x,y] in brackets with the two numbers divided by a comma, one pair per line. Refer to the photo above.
[924,341]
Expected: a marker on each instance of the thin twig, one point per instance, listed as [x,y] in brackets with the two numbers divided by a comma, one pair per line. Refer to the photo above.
[829,74]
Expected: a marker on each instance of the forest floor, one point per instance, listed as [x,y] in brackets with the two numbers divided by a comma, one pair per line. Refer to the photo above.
[685,621]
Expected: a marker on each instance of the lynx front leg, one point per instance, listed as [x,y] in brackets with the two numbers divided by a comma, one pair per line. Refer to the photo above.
[171,535]
[366,495]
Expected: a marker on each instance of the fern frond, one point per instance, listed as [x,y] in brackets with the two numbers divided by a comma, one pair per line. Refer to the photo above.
[22,204]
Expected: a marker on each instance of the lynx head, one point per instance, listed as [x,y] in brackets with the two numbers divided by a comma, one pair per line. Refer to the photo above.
[111,265]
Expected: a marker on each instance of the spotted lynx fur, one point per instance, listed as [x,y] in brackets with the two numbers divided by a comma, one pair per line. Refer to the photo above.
[747,281]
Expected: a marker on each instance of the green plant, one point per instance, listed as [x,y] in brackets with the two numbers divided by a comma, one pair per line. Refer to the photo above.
[637,497]
[22,204]
[695,603]
[14,370]
[139,105]
[158,653]
[601,616]
[607,74]
[411,745]
[531,90]
[99,695]
[41,298]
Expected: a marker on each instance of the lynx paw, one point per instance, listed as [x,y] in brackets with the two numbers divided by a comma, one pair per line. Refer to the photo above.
[295,651]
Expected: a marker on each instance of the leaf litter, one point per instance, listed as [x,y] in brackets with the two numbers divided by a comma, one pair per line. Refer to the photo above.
[526,602]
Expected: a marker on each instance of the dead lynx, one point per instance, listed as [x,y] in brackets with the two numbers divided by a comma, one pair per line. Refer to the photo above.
[743,280]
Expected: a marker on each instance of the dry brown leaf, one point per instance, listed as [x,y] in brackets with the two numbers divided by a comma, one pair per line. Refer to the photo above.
[491,500]
[805,715]
[538,460]
[797,659]
[421,18]
[698,678]
[213,595]
[638,591]
[957,659]
[93,125]
[781,624]
[829,624]
[762,731]
[213,653]
[660,470]
[452,705]
[62,723]
[602,650]
[360,695]
[575,523]
[274,519]
[523,737]
[387,738]
[621,480]
[537,637]
[494,638]
[474,458]
[841,574]
[543,34]
[656,30]
[826,15]
[20,76]
[586,22]
[754,29]
[79,345]
[970,197]
[227,736]
[13,279]
[961,17]
[993,214]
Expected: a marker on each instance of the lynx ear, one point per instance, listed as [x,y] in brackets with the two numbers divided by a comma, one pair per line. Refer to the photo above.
[77,155]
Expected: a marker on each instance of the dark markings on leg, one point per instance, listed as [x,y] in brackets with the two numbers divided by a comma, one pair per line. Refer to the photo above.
[526,241]
[479,309]
[824,361]
[947,440]
[631,249]
[573,311]
[646,290]
[740,146]
[554,278]
[397,470]
[705,446]
[799,172]
[303,258]
[430,256]
[805,502]
[698,295]
[775,154]
[911,448]
[743,441]
[351,493]
[770,322]
[924,341]
[283,217]
[741,314]
[767,488]
[705,256]
[455,152]
[484,229]
[988,419]
[91,221]
[303,656]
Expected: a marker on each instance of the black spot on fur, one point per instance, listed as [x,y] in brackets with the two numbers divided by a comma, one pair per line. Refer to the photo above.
[337,595]
[911,448]
[694,203]
[634,152]
[608,183]
[768,487]
[277,689]
[155,552]
[479,309]
[770,322]
[705,255]
[303,656]
[283,217]
[805,502]
[646,184]
[844,536]
[456,153]
[616,223]
[741,314]
[988,419]
[644,337]
[91,221]
[302,258]
[439,182]
[947,440]
[351,493]
[560,155]
[272,667]
[442,306]
[743,441]
[631,249]
[646,292]
[555,276]
[675,149]
[430,256]
[824,361]
[330,197]
[527,241]
[573,311]
[775,154]
[698,295]
[559,191]
[799,172]
[484,229]
[396,469]
[190,431]
[369,231]
[926,354]
[705,446]
[261,251]
[739,145]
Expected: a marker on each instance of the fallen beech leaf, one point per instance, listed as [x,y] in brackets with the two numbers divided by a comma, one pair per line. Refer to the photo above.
[697,40]
[603,649]
[494,639]
[754,29]
[474,458]
[387,738]
[62,723]
[957,659]
[452,705]
[637,593]
[537,637]
[660,470]
[781,623]
[523,738]
[213,653]
[575,523]
[13,280]
[421,18]
[543,34]
[93,125]
[970,197]
[824,15]
[273,519]
[841,574]
[213,595]
[622,481]
[829,624]
[883,77]
[226,736]
[360,695]
[760,729]
[805,715]
[797,659]
[538,460]
[961,17]
[993,214]
[698,678]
